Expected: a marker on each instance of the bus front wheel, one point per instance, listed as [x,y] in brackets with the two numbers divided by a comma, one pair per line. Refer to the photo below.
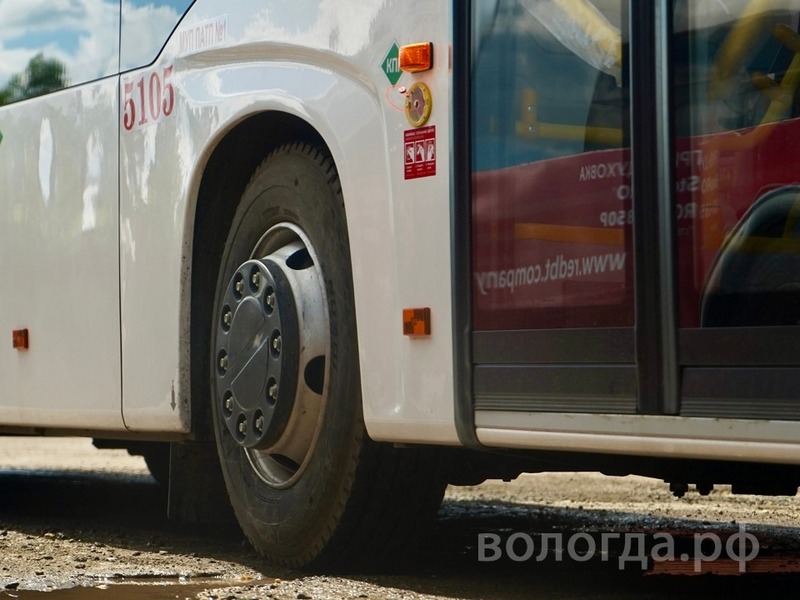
[308,487]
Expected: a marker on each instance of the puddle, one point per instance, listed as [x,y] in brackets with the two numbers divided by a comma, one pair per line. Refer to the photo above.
[128,590]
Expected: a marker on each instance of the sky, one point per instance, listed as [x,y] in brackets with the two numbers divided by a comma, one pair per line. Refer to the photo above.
[83,34]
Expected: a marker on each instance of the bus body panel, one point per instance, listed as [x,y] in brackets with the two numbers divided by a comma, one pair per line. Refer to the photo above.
[269,59]
[59,262]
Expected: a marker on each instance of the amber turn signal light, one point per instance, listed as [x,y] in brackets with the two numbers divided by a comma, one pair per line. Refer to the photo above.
[416,57]
[416,321]
[20,339]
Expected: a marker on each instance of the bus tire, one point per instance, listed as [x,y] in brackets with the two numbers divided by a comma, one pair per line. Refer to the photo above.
[308,487]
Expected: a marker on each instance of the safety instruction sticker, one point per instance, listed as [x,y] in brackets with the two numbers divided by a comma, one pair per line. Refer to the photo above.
[420,152]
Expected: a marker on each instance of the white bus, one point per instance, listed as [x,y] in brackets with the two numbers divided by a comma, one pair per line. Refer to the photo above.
[340,253]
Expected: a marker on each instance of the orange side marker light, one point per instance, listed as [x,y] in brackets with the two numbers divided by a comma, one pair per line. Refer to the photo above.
[416,57]
[20,339]
[416,321]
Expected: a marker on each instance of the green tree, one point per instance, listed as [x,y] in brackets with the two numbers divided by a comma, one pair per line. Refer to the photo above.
[42,75]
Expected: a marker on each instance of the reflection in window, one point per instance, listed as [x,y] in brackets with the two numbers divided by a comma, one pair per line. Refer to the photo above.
[49,46]
[41,76]
[551,183]
[548,81]
[146,26]
[737,70]
[731,58]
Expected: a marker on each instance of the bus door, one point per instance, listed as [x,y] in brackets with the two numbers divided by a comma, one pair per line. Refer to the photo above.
[635,222]
[737,207]
[553,303]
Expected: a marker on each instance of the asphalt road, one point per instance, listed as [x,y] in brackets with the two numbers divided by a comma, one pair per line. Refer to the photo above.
[76,522]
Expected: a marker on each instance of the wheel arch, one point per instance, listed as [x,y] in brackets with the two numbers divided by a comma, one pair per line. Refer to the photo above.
[217,142]
[229,168]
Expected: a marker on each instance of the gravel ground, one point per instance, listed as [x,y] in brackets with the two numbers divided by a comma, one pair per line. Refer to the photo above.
[89,522]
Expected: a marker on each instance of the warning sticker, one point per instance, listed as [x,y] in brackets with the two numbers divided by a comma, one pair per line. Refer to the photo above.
[420,152]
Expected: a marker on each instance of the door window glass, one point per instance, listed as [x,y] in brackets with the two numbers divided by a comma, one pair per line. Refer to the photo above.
[737,200]
[551,200]
[47,46]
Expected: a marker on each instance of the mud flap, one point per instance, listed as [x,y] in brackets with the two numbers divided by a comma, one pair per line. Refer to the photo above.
[197,492]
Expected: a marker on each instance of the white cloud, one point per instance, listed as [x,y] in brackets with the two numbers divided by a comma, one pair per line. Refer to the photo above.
[82,34]
[145,30]
[19,16]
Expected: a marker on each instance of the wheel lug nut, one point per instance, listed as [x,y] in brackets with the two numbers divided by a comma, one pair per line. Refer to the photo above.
[277,343]
[260,424]
[227,318]
[256,279]
[273,391]
[223,362]
[229,403]
[243,427]
[239,287]
[270,300]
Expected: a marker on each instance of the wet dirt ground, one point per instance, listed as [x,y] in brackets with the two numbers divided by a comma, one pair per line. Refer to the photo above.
[76,522]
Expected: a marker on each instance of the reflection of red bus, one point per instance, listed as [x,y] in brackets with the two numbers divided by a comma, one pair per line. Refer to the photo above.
[552,245]
[560,228]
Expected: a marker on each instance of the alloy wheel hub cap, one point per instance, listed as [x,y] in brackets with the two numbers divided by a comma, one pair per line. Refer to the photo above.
[257,354]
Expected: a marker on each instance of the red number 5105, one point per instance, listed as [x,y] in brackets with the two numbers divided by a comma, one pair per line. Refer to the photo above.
[148,98]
